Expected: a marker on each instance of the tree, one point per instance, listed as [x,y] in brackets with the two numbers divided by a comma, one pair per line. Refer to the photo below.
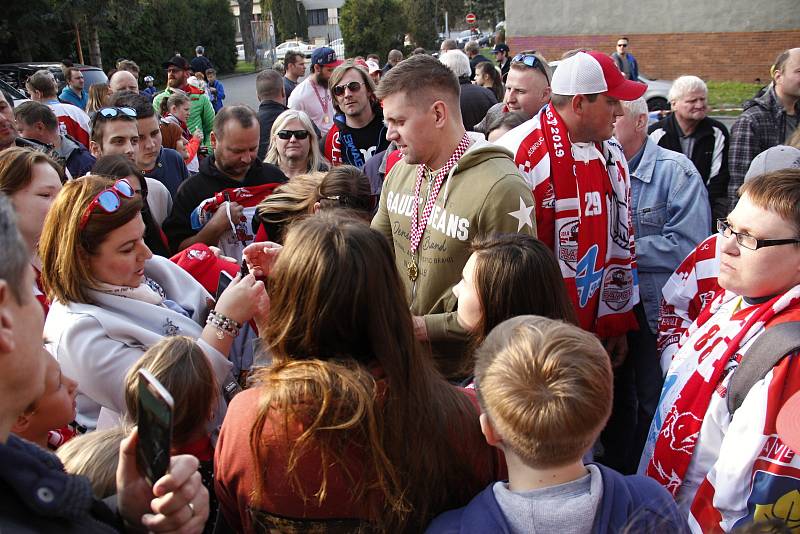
[421,25]
[245,16]
[372,26]
[289,17]
[489,12]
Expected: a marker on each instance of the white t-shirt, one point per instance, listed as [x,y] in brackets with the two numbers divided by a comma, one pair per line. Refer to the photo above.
[316,101]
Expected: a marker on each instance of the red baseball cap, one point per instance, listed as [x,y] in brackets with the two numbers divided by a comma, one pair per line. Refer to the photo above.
[200,261]
[593,72]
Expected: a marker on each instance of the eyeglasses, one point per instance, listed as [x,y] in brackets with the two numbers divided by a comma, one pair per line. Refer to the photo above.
[623,45]
[112,113]
[287,134]
[354,87]
[109,113]
[355,202]
[108,200]
[530,60]
[748,241]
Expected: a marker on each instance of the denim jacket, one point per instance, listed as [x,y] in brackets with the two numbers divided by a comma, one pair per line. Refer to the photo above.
[671,215]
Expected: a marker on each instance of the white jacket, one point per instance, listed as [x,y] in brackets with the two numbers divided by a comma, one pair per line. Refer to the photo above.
[96,344]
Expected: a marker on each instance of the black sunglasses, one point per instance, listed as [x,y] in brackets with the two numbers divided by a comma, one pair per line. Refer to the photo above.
[354,87]
[109,113]
[622,45]
[287,134]
[530,60]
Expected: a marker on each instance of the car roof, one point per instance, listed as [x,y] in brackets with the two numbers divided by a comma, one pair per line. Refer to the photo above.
[45,65]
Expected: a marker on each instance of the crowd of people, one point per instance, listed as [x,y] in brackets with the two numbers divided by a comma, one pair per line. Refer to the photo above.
[444,295]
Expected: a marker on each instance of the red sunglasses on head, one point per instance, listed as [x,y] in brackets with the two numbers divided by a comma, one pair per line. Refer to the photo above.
[108,199]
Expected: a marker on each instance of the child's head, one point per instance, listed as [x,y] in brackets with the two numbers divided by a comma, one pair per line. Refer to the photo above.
[94,455]
[211,75]
[183,369]
[509,275]
[53,410]
[545,390]
[177,104]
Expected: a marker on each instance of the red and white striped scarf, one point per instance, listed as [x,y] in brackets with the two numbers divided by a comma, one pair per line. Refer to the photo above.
[712,341]
[593,237]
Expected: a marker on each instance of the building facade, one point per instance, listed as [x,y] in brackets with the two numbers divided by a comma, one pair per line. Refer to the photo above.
[734,40]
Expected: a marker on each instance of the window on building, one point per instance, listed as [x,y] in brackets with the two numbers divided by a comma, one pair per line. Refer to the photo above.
[317,17]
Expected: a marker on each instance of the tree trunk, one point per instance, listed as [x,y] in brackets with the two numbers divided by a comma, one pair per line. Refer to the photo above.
[245,16]
[95,58]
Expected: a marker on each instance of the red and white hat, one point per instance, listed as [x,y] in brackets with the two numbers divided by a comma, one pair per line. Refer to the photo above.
[588,73]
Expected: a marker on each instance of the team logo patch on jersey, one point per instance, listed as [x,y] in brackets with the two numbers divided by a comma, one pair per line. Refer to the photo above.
[617,288]
[568,243]
[774,497]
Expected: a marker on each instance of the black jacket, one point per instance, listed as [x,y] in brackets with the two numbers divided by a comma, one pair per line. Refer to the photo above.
[36,495]
[205,184]
[709,155]
[475,102]
[268,111]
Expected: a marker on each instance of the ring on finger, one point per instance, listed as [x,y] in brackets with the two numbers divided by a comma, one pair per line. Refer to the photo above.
[191,507]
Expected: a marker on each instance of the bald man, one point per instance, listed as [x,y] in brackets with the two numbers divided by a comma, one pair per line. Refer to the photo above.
[122,80]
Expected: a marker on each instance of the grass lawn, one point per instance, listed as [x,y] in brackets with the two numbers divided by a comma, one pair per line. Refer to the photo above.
[243,67]
[730,94]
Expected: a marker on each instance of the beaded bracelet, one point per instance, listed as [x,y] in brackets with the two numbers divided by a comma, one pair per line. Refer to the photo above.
[225,325]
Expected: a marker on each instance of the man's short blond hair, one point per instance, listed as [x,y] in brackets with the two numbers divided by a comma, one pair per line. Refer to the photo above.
[546,387]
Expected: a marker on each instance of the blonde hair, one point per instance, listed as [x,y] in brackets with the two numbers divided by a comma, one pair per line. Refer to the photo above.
[315,158]
[94,455]
[546,386]
[183,369]
[290,200]
[64,246]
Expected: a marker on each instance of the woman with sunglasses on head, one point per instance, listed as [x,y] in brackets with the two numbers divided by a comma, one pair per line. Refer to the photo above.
[112,298]
[735,367]
[343,187]
[117,167]
[351,427]
[294,145]
[31,179]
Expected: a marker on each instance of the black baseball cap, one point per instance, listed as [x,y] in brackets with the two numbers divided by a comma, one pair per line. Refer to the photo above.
[501,47]
[176,61]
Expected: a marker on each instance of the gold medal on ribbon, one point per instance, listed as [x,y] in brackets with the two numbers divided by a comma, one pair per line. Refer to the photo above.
[411,268]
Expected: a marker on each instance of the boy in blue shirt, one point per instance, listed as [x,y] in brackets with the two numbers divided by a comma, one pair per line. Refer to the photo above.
[545,390]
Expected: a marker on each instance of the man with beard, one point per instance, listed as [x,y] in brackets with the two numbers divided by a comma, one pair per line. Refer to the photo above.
[74,93]
[224,194]
[201,112]
[358,131]
[312,95]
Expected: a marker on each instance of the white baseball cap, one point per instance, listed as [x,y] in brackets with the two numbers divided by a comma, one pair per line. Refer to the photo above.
[773,159]
[592,72]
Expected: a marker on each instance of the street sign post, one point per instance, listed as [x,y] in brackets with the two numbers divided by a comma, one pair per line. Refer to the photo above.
[471,18]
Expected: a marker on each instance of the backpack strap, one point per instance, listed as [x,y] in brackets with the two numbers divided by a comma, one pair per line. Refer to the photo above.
[766,351]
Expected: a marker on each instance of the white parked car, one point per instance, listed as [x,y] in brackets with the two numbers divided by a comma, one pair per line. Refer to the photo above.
[338,47]
[296,45]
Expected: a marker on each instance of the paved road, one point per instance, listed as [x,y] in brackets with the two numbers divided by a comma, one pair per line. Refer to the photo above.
[241,90]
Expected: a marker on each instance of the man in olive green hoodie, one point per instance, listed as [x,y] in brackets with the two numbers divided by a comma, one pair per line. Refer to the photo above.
[201,112]
[448,188]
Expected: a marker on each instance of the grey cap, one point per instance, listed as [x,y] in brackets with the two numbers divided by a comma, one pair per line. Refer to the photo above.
[774,159]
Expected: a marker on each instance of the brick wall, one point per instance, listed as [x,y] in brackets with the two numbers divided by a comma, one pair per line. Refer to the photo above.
[741,56]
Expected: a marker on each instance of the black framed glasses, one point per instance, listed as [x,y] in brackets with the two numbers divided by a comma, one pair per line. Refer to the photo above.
[354,87]
[623,45]
[364,203]
[109,113]
[748,241]
[531,60]
[287,134]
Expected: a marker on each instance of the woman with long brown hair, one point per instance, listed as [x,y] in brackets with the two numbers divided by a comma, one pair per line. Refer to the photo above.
[351,428]
[509,275]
